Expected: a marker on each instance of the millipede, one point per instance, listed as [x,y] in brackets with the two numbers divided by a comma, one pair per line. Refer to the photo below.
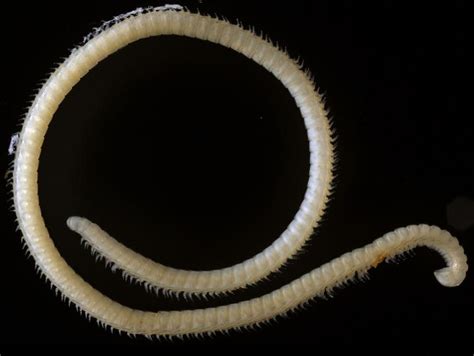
[175,20]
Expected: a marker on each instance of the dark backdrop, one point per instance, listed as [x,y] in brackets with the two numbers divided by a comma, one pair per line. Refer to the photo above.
[197,157]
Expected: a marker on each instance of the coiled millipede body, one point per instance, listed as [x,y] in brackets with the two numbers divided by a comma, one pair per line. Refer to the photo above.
[173,20]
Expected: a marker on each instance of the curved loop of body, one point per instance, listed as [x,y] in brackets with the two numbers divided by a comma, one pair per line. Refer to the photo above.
[172,20]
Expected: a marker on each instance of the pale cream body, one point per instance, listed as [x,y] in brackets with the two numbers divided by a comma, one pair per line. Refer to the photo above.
[163,21]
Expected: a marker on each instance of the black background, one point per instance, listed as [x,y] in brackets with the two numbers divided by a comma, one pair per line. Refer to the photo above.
[195,156]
